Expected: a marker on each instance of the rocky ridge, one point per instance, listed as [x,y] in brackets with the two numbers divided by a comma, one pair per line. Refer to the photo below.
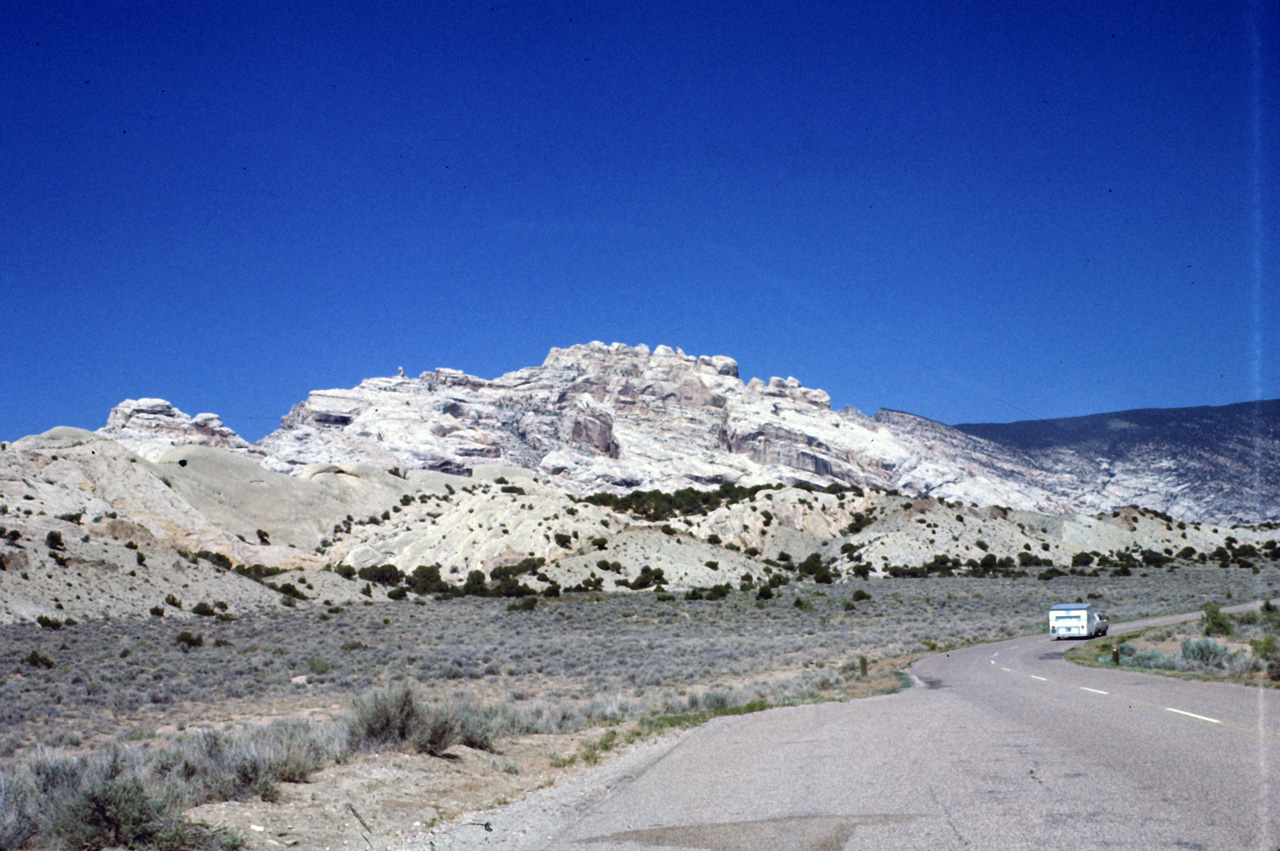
[595,417]
[150,426]
[480,477]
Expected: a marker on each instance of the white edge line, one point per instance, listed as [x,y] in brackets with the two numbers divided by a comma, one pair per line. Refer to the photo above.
[1041,679]
[1192,715]
[1094,690]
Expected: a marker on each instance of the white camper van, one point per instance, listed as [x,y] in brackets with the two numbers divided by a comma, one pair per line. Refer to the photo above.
[1076,620]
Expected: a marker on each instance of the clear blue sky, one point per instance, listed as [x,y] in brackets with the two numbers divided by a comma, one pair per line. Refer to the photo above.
[971,211]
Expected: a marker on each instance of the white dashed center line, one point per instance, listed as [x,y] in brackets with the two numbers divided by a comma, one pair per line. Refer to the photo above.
[1094,690]
[1010,670]
[1192,715]
[1041,679]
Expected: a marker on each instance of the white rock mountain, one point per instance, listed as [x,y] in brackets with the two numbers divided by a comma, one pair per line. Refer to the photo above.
[477,475]
[596,417]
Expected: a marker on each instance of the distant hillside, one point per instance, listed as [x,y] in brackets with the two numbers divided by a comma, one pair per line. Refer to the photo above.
[1219,462]
[1180,429]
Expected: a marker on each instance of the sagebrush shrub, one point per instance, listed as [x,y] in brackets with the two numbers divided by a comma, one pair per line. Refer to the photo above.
[17,817]
[395,717]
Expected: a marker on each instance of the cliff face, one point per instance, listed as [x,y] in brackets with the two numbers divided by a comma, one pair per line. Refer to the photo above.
[595,417]
[150,426]
[598,417]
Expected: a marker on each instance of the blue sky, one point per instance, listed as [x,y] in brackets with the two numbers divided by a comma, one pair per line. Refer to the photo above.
[971,211]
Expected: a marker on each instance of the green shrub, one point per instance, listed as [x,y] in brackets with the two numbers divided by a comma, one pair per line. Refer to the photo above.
[1214,621]
[563,541]
[157,611]
[171,600]
[288,589]
[426,579]
[1265,647]
[398,593]
[186,640]
[383,574]
[717,592]
[525,604]
[383,718]
[475,585]
[204,610]
[48,622]
[317,665]
[115,812]
[53,540]
[394,717]
[216,559]
[36,659]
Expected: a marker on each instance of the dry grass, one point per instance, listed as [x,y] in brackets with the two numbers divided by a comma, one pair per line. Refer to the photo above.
[581,655]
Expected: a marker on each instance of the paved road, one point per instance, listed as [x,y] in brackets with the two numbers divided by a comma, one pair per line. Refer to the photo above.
[1006,746]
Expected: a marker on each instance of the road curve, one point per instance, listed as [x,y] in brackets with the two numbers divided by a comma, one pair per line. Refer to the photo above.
[1006,745]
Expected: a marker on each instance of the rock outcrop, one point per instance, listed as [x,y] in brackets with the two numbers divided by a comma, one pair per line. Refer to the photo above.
[151,426]
[614,417]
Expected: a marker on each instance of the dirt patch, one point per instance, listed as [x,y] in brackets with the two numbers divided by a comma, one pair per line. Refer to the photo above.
[376,801]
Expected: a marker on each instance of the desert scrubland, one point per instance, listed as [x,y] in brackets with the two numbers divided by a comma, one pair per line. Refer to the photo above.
[515,695]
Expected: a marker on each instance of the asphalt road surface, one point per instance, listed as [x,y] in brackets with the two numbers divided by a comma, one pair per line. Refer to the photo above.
[1002,745]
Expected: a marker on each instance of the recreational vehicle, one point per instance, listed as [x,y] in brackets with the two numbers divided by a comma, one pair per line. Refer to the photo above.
[1076,620]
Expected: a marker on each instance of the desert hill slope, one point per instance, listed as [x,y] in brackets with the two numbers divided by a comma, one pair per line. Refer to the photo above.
[531,483]
[1221,462]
